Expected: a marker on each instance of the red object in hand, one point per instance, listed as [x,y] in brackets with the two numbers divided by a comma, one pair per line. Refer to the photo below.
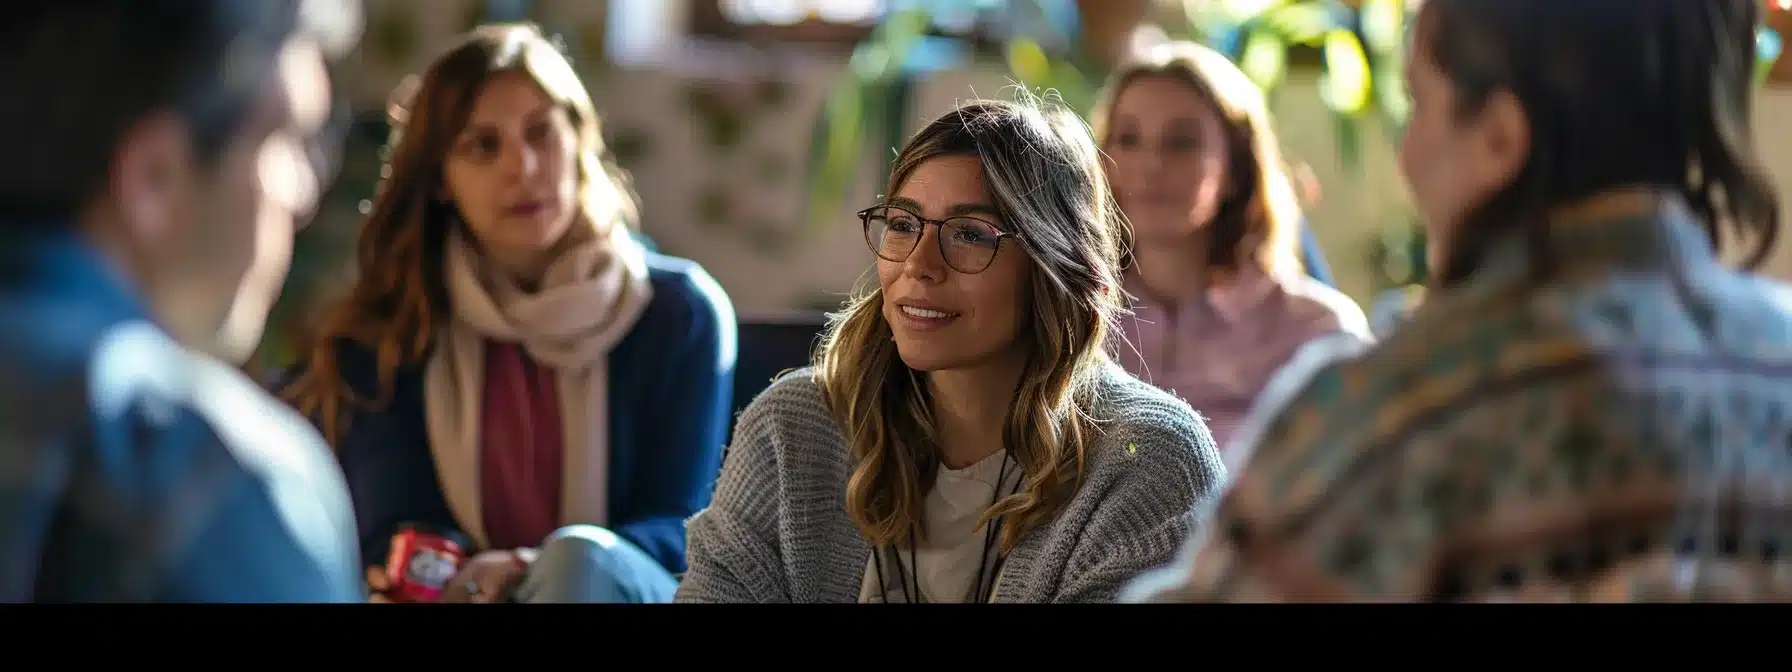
[422,562]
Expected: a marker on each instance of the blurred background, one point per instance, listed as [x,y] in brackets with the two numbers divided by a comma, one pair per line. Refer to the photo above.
[754,128]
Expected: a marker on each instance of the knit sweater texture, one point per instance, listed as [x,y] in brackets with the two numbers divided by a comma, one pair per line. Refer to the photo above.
[777,529]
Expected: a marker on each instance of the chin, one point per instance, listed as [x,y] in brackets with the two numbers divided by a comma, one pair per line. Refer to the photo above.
[927,354]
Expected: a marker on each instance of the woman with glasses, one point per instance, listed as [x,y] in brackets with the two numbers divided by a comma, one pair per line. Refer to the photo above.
[1219,298]
[510,364]
[1589,404]
[963,435]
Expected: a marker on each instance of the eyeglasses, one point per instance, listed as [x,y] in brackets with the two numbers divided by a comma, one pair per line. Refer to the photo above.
[968,244]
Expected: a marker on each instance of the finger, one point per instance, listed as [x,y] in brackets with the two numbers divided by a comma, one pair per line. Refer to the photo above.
[376,579]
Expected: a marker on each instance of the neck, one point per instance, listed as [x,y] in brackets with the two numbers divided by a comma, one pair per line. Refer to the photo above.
[1172,272]
[1610,204]
[524,267]
[971,408]
[179,313]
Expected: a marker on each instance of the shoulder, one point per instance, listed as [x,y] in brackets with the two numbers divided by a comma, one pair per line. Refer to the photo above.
[687,304]
[793,407]
[196,411]
[785,434]
[685,293]
[1324,307]
[1317,360]
[1146,429]
[356,362]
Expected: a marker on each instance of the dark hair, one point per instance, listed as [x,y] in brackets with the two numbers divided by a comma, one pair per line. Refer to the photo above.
[75,75]
[1652,93]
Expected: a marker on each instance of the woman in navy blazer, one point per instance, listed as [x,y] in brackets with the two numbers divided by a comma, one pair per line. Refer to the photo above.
[511,363]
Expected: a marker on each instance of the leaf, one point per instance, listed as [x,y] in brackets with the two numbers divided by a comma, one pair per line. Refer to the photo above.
[1265,59]
[1304,23]
[1391,96]
[833,153]
[1072,85]
[1384,25]
[1245,10]
[1345,85]
[1027,61]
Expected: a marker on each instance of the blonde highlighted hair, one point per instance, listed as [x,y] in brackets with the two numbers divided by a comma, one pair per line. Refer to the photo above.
[1260,221]
[1044,176]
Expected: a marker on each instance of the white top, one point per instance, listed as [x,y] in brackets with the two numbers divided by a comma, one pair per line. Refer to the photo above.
[954,546]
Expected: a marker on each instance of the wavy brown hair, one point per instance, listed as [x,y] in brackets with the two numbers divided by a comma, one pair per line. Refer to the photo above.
[398,299]
[1044,175]
[1260,222]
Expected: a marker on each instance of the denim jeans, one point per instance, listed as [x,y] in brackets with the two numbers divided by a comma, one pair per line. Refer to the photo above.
[587,564]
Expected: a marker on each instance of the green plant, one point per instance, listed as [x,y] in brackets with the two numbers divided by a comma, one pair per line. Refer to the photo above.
[1359,45]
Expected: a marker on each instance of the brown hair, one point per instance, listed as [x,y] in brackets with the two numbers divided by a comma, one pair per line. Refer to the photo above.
[398,298]
[1654,93]
[1260,222]
[1045,177]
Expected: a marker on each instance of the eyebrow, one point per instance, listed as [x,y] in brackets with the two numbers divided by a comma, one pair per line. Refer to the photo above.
[534,115]
[954,211]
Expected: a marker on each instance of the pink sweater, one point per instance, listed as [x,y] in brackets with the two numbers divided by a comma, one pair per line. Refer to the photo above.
[1219,350]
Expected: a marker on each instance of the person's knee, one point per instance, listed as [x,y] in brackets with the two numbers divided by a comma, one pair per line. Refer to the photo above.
[579,545]
[588,563]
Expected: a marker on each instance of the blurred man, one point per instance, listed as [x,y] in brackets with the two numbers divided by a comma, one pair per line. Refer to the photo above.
[162,152]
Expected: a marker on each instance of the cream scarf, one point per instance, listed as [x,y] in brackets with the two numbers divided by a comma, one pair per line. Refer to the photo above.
[589,299]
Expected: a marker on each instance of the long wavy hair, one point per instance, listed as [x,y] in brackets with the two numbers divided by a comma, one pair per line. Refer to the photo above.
[398,300]
[1259,223]
[1655,94]
[1043,171]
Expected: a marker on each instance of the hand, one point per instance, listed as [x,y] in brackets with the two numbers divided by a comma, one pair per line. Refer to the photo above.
[494,573]
[377,585]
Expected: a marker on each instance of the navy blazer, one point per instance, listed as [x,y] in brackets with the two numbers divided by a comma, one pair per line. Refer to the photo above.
[671,381]
[134,470]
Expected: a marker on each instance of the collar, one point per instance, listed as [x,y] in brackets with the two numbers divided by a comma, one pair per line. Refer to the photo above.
[1652,233]
[61,263]
[1231,298]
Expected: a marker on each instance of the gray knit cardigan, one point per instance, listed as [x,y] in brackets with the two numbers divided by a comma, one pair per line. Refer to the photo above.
[777,530]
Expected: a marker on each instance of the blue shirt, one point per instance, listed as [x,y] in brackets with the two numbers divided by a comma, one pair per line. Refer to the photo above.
[134,470]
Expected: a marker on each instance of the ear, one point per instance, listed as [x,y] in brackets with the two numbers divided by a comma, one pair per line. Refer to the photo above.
[154,157]
[1505,137]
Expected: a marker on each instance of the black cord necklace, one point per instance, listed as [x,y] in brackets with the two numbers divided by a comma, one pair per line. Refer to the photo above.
[909,577]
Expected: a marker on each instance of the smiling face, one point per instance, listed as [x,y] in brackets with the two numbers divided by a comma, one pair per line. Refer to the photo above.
[943,318]
[512,172]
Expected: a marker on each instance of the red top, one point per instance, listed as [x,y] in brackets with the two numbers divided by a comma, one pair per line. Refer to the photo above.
[520,446]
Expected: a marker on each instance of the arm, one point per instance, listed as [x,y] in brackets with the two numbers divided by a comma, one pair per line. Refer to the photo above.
[250,552]
[1165,481]
[733,552]
[1240,556]
[385,458]
[391,480]
[677,469]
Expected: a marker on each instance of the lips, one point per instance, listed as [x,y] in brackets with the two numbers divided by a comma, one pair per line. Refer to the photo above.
[525,209]
[923,316]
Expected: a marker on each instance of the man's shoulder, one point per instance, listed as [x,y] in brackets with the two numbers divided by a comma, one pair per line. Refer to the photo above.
[270,440]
